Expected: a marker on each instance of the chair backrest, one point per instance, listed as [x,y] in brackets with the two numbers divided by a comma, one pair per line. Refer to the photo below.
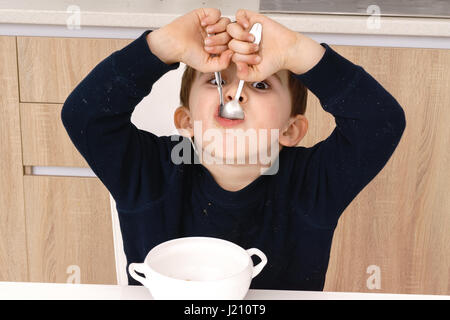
[121,260]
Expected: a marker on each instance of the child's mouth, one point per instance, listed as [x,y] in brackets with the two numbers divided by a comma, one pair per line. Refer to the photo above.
[224,122]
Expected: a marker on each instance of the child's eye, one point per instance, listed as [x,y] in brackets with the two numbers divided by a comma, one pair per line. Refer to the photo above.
[214,83]
[258,86]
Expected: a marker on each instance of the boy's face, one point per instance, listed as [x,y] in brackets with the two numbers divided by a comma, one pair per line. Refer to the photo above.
[266,105]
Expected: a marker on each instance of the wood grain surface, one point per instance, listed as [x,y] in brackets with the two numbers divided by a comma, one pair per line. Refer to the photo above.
[13,257]
[69,229]
[50,68]
[400,222]
[45,140]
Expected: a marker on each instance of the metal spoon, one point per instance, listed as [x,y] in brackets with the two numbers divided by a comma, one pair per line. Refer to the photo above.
[218,76]
[233,110]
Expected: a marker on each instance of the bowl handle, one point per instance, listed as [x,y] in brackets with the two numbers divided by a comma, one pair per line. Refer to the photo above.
[257,269]
[139,267]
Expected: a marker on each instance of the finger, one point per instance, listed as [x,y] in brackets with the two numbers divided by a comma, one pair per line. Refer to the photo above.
[237,32]
[216,49]
[247,73]
[243,47]
[246,58]
[220,26]
[225,59]
[219,63]
[218,39]
[243,17]
[208,16]
[242,70]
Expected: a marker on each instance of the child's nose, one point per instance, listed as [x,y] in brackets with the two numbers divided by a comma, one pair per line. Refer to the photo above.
[231,93]
[229,98]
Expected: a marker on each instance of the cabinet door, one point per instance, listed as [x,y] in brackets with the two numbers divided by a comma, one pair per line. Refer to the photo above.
[49,68]
[13,257]
[44,138]
[69,230]
[68,219]
[397,229]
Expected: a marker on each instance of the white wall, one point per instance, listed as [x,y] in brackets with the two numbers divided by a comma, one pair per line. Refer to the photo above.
[155,112]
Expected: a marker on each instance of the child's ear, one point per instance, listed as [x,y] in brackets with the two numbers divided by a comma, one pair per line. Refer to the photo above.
[295,131]
[182,121]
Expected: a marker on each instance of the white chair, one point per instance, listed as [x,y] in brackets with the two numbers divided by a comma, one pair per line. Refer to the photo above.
[121,260]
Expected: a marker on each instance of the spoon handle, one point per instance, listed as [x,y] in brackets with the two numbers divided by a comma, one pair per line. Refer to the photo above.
[256,30]
[219,86]
[218,77]
[239,89]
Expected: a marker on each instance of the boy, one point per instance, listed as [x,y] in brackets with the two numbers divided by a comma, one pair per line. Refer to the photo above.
[291,214]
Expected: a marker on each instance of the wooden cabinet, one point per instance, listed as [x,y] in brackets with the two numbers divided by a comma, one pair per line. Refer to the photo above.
[49,68]
[13,249]
[397,226]
[44,138]
[68,224]
[51,226]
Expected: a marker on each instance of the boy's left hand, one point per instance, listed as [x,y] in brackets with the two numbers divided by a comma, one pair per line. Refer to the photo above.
[280,48]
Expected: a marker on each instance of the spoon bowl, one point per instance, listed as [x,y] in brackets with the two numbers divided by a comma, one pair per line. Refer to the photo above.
[232,109]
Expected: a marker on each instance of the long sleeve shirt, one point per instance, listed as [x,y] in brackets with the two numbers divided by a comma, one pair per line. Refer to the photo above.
[290,216]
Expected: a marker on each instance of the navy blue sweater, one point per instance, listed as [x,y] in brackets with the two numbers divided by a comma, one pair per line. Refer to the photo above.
[290,216]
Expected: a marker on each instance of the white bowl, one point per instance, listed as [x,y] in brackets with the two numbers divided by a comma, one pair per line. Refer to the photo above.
[194,268]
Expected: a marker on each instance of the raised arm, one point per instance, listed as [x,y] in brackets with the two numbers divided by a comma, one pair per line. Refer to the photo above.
[369,125]
[97,117]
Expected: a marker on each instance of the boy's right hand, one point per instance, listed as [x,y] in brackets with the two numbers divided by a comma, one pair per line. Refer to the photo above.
[183,40]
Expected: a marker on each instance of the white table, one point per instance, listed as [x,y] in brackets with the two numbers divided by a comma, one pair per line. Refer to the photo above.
[65,291]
